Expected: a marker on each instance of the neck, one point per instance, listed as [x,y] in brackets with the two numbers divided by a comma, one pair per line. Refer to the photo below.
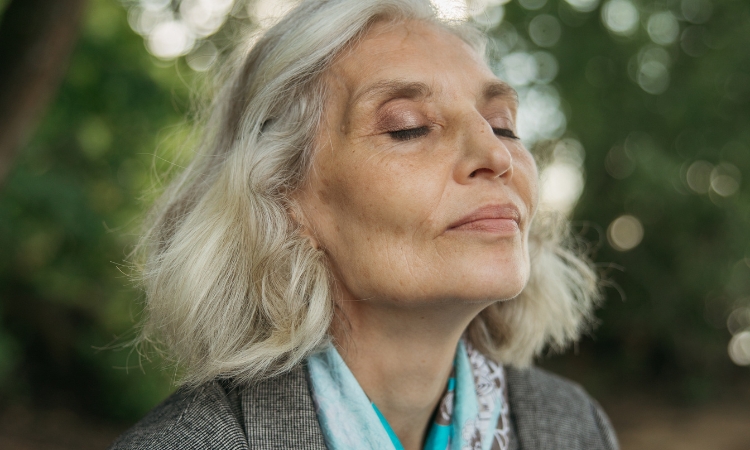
[402,357]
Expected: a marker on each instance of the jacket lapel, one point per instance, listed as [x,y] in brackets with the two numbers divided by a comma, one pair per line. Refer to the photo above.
[525,406]
[279,413]
[552,413]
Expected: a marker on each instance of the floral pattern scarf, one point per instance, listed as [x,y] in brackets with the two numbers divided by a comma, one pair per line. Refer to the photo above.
[473,413]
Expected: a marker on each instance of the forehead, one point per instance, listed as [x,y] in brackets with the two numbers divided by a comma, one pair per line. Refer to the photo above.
[413,53]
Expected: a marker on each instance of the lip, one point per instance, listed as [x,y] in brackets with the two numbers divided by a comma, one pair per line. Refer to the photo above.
[498,219]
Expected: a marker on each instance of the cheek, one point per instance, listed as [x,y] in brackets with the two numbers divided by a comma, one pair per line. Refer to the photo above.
[376,219]
[388,197]
[528,176]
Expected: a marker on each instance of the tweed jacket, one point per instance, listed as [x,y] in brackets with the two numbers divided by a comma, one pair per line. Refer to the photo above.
[547,413]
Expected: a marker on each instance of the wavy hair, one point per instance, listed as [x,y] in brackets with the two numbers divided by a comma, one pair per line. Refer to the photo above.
[232,288]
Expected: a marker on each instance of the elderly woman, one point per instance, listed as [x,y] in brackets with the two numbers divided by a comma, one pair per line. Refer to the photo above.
[353,261]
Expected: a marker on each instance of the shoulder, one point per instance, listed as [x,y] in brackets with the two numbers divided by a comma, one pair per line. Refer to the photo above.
[276,412]
[557,413]
[191,418]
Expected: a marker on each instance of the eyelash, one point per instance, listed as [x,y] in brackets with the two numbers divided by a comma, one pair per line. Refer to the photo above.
[505,132]
[409,133]
[414,133]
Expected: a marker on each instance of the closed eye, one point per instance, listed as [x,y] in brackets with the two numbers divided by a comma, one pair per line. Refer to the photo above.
[409,134]
[413,133]
[504,132]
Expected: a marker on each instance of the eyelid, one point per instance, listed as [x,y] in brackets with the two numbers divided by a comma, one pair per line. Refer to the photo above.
[500,121]
[503,124]
[394,118]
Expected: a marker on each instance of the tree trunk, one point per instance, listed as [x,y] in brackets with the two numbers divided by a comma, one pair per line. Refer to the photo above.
[36,39]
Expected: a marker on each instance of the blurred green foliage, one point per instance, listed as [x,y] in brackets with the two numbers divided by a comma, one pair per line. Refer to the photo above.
[692,267]
[70,208]
[68,212]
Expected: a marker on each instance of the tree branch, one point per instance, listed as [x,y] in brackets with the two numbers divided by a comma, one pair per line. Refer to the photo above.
[36,39]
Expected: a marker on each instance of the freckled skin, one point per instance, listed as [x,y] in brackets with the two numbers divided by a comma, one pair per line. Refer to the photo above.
[381,207]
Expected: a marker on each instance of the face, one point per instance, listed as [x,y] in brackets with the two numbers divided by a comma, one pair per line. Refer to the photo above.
[419,190]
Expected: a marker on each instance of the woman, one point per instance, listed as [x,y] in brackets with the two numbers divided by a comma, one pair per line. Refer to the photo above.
[353,259]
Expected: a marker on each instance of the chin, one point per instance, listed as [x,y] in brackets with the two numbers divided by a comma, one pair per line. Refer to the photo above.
[492,278]
[501,288]
[486,285]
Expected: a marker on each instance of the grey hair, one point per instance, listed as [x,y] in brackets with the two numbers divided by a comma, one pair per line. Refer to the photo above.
[232,288]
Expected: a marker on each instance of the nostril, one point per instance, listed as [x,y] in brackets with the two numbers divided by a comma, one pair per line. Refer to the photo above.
[490,173]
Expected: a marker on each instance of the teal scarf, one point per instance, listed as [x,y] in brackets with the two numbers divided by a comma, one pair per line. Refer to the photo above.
[473,413]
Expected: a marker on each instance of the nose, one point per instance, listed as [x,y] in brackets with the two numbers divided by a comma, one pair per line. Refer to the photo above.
[483,154]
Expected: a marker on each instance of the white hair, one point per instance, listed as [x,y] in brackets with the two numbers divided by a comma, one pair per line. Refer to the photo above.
[232,288]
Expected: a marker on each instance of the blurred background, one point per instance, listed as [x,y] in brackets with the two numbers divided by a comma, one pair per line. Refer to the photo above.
[638,110]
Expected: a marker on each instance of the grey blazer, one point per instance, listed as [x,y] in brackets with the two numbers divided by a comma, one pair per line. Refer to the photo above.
[547,413]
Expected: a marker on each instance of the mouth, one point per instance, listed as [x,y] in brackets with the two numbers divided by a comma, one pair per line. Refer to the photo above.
[496,219]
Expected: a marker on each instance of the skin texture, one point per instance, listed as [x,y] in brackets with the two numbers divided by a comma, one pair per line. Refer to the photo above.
[418,135]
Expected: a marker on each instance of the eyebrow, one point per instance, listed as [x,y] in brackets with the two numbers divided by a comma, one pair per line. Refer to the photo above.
[496,88]
[391,89]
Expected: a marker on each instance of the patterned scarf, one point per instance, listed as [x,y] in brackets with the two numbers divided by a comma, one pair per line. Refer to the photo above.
[473,413]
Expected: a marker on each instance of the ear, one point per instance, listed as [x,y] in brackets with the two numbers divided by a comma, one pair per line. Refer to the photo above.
[297,215]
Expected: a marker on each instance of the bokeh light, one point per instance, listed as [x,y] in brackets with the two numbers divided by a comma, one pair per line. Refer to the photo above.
[583,5]
[696,11]
[619,163]
[739,348]
[698,176]
[451,9]
[650,69]
[545,30]
[546,67]
[203,56]
[171,33]
[518,69]
[184,28]
[725,179]
[488,15]
[143,20]
[655,53]
[625,233]
[205,17]
[540,115]
[693,40]
[505,40]
[562,184]
[532,5]
[483,12]
[170,39]
[653,77]
[562,181]
[620,17]
[155,5]
[739,320]
[663,28]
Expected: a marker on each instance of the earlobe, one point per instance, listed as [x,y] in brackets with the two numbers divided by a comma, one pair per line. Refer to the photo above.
[303,228]
[305,231]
